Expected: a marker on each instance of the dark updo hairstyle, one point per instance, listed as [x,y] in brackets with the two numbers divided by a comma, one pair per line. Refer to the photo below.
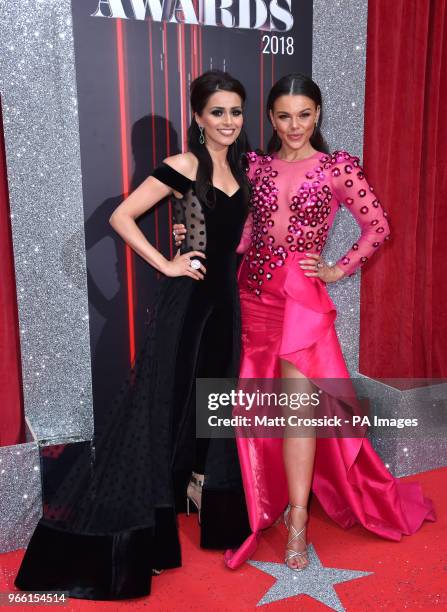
[202,89]
[297,84]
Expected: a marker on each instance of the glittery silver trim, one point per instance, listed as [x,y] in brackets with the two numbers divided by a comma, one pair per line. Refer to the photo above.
[338,66]
[20,499]
[408,452]
[37,81]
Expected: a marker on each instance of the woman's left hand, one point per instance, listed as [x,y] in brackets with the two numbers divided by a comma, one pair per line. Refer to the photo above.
[315,266]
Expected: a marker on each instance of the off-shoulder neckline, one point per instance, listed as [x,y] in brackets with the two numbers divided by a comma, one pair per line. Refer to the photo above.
[193,181]
[186,178]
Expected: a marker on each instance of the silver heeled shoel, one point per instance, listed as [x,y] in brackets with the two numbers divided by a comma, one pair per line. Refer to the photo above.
[195,486]
[296,535]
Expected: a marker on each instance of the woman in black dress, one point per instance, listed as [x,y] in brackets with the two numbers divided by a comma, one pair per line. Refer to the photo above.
[112,521]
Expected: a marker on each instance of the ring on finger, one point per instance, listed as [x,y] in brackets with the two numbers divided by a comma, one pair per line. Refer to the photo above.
[194,264]
[320,264]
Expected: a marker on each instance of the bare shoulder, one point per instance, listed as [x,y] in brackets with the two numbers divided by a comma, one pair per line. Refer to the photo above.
[184,163]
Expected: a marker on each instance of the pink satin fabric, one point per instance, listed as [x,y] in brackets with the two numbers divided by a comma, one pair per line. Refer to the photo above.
[294,319]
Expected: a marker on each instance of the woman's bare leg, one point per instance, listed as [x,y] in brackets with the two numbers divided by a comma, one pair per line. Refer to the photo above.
[298,454]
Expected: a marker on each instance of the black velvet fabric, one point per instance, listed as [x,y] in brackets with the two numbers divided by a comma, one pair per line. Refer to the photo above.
[112,518]
[106,567]
[171,177]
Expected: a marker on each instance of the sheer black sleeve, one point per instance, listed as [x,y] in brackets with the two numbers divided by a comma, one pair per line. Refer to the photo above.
[167,175]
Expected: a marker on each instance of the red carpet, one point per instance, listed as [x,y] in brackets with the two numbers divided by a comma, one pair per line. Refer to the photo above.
[410,575]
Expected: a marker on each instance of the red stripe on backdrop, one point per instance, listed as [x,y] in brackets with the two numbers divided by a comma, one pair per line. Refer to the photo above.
[154,135]
[168,135]
[182,73]
[191,51]
[192,47]
[12,423]
[125,181]
[200,49]
[194,56]
[194,61]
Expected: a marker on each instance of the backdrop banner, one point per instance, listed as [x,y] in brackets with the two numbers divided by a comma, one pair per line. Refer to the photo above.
[135,60]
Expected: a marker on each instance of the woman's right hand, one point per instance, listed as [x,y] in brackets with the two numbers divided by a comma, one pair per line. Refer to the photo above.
[181,265]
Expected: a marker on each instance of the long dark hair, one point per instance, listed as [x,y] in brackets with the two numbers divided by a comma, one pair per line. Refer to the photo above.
[201,89]
[297,84]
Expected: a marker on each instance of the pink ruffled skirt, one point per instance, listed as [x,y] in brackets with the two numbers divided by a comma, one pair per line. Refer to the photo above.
[293,319]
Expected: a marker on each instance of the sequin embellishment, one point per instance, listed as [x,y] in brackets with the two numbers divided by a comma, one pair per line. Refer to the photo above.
[307,224]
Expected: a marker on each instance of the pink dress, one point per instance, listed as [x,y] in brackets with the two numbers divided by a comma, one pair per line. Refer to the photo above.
[288,315]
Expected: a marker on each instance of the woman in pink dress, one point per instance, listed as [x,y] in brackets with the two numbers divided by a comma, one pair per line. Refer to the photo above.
[288,329]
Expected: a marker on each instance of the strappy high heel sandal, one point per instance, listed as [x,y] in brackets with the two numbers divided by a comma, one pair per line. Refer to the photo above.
[195,486]
[296,535]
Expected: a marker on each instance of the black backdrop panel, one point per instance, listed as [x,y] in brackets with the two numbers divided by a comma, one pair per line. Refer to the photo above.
[133,76]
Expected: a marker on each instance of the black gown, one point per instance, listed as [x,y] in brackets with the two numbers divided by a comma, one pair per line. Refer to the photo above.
[112,518]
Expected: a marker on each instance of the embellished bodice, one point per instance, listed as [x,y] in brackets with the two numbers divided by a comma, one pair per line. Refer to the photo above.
[294,206]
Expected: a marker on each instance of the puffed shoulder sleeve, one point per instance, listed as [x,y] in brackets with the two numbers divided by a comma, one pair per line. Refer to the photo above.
[170,177]
[352,189]
[252,163]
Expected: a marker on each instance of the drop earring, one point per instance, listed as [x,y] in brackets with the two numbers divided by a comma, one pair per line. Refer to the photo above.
[202,135]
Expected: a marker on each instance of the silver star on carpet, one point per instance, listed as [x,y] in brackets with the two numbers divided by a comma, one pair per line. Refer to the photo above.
[316,581]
